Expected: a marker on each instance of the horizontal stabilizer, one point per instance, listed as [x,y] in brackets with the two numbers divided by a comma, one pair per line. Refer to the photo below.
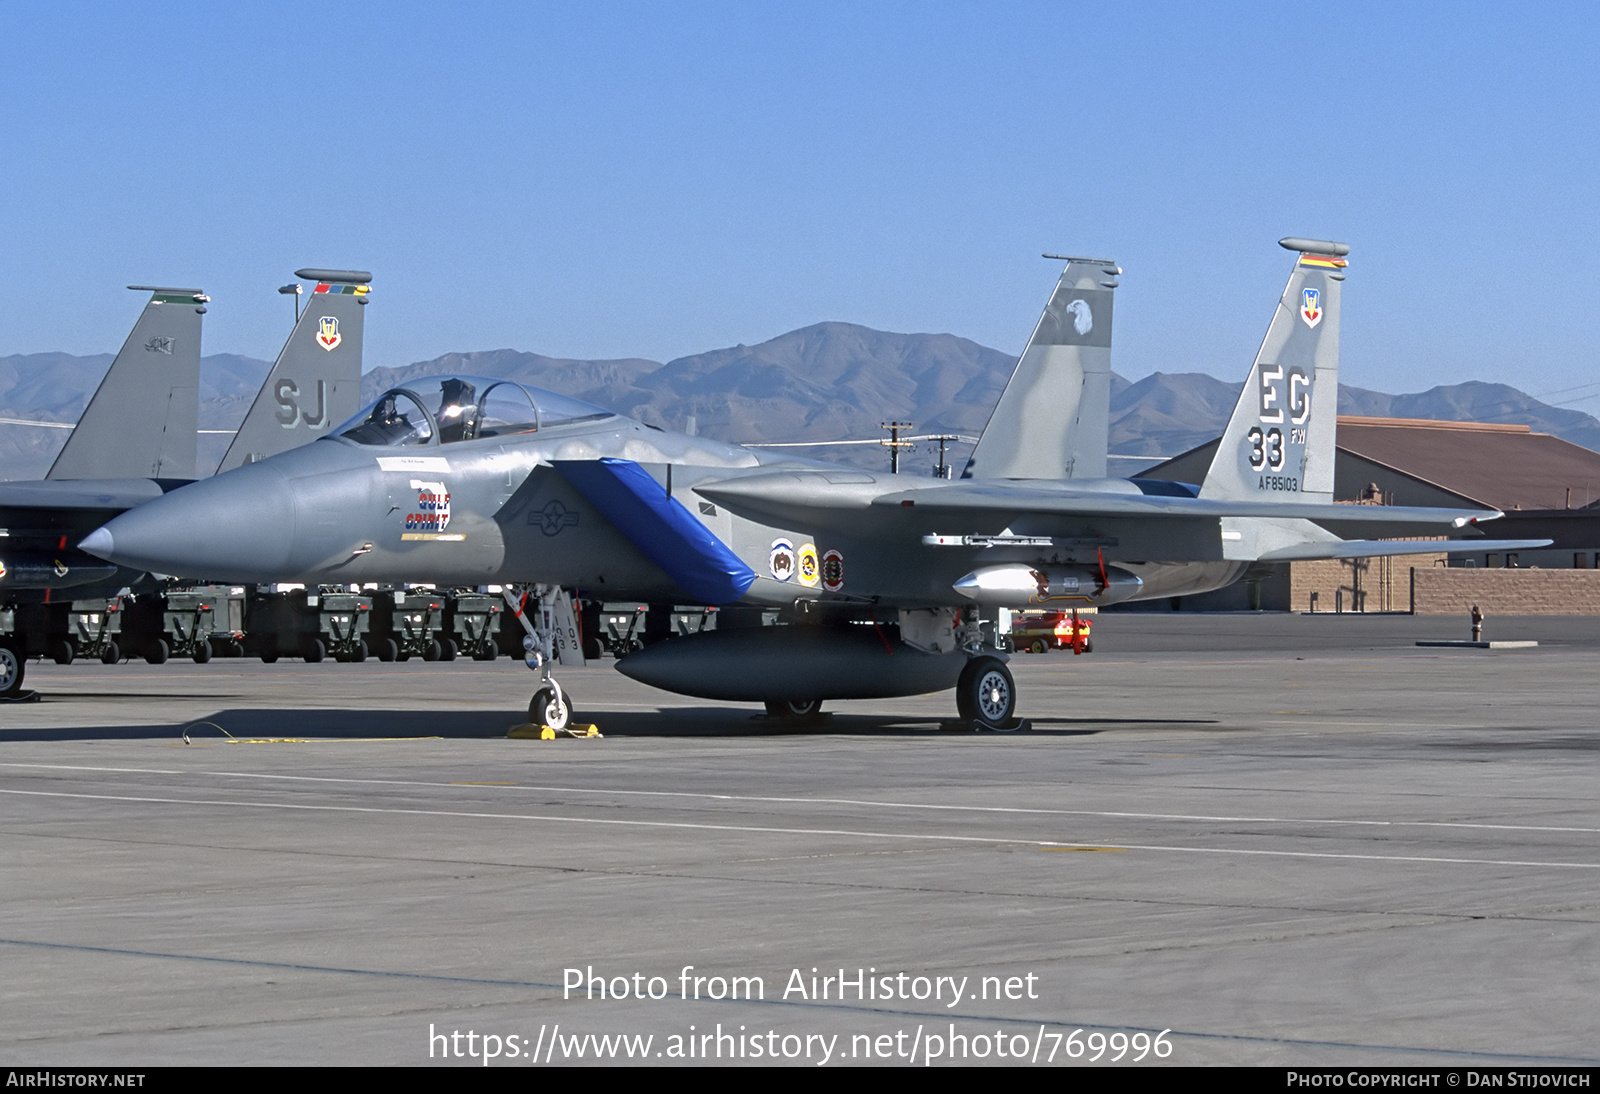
[1379,548]
[661,527]
[107,495]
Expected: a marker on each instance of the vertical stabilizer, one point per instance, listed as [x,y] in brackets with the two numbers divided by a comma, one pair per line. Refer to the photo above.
[1279,442]
[1053,419]
[142,419]
[316,381]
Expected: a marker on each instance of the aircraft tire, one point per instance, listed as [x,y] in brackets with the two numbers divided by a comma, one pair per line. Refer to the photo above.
[799,710]
[202,651]
[12,669]
[388,649]
[433,651]
[313,650]
[986,692]
[544,711]
[157,652]
[447,650]
[1037,646]
[111,654]
[61,651]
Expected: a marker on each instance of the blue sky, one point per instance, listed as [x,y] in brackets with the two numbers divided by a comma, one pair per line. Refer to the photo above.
[660,179]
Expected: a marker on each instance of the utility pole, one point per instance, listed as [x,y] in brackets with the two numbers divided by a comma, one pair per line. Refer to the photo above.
[894,444]
[941,470]
[294,290]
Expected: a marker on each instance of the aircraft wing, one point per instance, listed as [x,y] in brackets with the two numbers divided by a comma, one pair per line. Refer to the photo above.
[1376,548]
[798,496]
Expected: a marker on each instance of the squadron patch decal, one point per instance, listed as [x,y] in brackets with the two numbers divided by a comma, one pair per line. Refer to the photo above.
[328,336]
[807,567]
[781,561]
[833,570]
[1311,306]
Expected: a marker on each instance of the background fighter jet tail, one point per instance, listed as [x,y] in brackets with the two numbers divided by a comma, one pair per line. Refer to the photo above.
[1279,443]
[142,419]
[1052,420]
[316,381]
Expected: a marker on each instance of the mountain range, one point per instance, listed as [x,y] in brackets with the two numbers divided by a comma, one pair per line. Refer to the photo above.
[830,381]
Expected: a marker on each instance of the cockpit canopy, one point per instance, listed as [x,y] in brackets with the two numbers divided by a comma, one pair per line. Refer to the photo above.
[446,409]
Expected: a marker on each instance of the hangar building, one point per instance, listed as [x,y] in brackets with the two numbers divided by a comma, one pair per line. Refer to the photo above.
[1547,487]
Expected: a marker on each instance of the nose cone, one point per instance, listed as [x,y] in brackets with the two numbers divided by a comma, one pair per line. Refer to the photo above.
[239,526]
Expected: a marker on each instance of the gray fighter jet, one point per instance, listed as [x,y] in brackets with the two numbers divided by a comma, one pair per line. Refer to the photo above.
[136,441]
[888,584]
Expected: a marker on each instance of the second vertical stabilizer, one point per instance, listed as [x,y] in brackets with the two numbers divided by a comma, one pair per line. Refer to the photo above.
[142,420]
[1279,444]
[1053,418]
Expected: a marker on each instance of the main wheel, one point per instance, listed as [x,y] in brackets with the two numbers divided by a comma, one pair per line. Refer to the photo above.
[61,651]
[157,652]
[111,654]
[11,670]
[986,693]
[313,650]
[544,710]
[796,710]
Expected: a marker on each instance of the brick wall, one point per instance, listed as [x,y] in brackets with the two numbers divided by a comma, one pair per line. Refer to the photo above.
[1454,590]
[1358,584]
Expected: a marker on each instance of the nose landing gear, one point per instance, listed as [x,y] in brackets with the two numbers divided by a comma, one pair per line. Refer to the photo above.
[551,635]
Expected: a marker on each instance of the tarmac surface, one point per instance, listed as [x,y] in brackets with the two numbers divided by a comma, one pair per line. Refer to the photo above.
[1282,839]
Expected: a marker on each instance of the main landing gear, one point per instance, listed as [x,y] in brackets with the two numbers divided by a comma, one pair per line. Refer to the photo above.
[12,668]
[986,694]
[545,613]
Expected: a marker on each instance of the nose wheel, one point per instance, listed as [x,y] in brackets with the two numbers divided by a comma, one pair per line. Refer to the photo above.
[986,693]
[551,706]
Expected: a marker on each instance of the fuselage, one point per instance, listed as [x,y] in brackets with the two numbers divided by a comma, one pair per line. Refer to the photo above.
[392,504]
